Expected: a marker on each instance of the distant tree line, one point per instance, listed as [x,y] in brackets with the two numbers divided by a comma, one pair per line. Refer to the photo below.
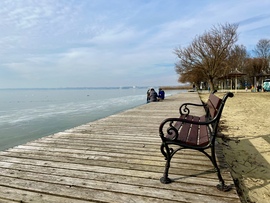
[212,56]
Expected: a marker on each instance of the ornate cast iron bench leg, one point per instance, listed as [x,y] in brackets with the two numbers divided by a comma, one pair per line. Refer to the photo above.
[221,186]
[165,179]
[168,156]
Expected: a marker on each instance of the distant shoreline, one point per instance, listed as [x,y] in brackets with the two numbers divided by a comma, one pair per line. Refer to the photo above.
[76,88]
[185,87]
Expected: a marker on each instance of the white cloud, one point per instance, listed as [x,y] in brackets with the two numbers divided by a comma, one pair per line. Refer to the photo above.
[116,43]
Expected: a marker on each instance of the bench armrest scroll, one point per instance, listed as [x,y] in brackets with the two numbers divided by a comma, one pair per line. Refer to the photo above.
[171,129]
[184,109]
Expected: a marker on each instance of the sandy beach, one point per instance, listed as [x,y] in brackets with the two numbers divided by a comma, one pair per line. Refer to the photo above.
[245,128]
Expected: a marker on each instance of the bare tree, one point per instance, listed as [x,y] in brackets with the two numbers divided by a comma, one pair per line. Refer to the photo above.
[237,58]
[254,67]
[208,53]
[194,76]
[262,49]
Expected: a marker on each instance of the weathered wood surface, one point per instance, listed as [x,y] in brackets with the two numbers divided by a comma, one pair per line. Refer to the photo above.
[115,159]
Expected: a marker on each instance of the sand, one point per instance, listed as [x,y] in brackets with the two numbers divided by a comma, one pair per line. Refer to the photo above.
[245,128]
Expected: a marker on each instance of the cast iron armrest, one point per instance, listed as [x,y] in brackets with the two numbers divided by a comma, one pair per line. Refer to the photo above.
[184,110]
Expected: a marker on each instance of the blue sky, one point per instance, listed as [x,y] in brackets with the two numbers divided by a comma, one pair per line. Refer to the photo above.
[94,43]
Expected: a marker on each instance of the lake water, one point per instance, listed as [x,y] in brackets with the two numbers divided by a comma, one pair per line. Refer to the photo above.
[28,114]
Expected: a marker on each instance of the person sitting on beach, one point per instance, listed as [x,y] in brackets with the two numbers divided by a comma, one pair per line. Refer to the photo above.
[161,94]
[153,95]
[148,95]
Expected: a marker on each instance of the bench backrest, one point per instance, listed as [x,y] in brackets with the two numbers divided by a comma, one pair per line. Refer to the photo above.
[213,105]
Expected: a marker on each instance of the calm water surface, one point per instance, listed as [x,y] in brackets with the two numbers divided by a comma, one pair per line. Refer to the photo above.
[28,114]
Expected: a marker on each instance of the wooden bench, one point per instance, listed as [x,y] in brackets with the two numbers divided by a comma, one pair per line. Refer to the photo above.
[193,132]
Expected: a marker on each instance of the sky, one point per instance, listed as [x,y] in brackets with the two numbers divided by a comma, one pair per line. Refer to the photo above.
[111,43]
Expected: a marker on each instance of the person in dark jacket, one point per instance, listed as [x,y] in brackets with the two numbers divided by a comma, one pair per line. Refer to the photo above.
[148,95]
[161,94]
[153,96]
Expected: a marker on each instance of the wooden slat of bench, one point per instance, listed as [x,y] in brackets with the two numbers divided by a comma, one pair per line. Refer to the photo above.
[216,101]
[204,134]
[193,134]
[213,104]
[184,130]
[179,124]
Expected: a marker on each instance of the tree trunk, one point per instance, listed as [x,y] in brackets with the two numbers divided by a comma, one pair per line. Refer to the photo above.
[211,84]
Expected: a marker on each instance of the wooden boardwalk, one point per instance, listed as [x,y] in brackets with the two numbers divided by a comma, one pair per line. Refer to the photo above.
[115,159]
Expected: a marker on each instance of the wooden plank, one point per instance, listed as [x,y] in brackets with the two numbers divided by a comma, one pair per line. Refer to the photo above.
[213,104]
[194,132]
[216,101]
[134,164]
[84,184]
[11,194]
[184,130]
[184,184]
[204,133]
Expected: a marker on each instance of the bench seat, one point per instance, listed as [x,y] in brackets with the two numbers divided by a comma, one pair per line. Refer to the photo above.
[190,134]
